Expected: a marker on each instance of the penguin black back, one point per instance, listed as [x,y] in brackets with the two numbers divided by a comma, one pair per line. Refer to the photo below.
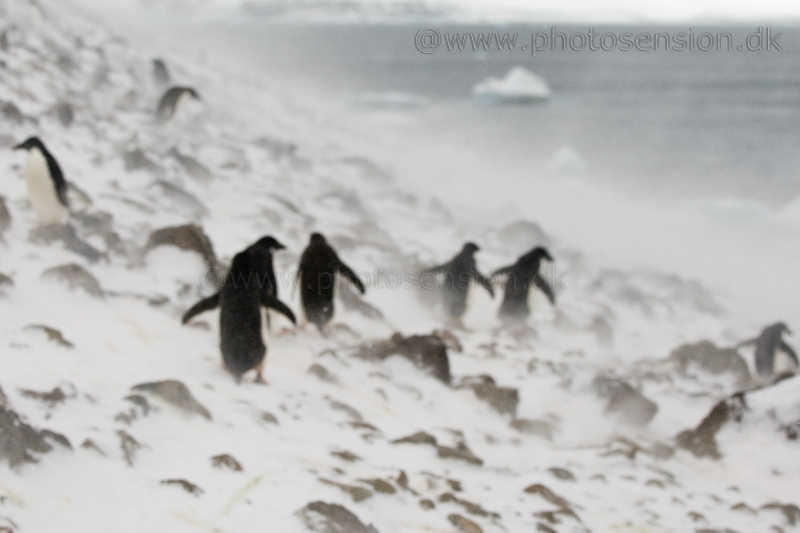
[521,275]
[459,272]
[53,167]
[768,342]
[317,274]
[169,101]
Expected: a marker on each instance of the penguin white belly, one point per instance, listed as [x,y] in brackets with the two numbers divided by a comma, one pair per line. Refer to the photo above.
[42,190]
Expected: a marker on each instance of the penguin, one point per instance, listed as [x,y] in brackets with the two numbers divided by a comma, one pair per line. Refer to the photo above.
[47,188]
[265,245]
[160,71]
[317,273]
[169,101]
[520,276]
[246,288]
[767,343]
[459,272]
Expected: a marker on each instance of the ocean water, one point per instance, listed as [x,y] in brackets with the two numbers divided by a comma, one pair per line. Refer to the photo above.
[682,161]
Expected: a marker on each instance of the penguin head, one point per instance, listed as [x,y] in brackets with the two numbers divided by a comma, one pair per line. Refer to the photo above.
[470,248]
[317,238]
[540,252]
[269,243]
[783,328]
[29,144]
[191,92]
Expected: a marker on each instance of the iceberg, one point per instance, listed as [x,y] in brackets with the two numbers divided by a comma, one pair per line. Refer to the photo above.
[519,86]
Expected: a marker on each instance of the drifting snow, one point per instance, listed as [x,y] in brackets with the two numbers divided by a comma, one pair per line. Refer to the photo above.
[518,86]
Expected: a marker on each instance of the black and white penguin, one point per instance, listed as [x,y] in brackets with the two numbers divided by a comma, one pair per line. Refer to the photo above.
[249,285]
[317,274]
[47,188]
[768,342]
[520,276]
[458,273]
[169,101]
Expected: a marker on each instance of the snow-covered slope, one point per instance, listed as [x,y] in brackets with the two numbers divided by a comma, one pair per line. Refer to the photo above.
[571,427]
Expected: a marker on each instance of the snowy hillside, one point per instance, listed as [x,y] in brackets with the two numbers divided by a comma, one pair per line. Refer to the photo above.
[113,416]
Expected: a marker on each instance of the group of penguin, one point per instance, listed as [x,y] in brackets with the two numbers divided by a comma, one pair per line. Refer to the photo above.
[251,284]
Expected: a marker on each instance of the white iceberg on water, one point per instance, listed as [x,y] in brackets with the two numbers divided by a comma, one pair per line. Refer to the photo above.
[519,86]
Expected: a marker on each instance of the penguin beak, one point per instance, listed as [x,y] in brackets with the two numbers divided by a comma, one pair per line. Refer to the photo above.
[279,246]
[20,146]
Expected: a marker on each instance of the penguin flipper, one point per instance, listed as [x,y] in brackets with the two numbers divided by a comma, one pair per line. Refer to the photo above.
[502,271]
[545,287]
[437,269]
[788,350]
[206,304]
[347,272]
[270,302]
[484,282]
[748,342]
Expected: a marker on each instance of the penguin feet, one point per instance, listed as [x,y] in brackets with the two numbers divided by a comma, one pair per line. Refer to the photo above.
[260,375]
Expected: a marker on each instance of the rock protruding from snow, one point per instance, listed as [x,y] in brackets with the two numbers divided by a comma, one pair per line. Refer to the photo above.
[428,352]
[5,217]
[707,357]
[322,517]
[75,276]
[518,86]
[190,237]
[67,235]
[504,400]
[701,441]
[625,401]
[19,442]
[176,394]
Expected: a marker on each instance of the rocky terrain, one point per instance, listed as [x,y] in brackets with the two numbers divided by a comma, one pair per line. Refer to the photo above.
[622,409]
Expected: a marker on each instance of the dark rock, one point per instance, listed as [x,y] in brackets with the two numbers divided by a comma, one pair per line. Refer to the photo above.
[5,281]
[504,400]
[101,224]
[53,335]
[188,486]
[269,418]
[470,507]
[89,444]
[701,441]
[160,71]
[548,495]
[75,277]
[625,401]
[176,394]
[139,402]
[460,452]
[379,485]
[427,504]
[5,217]
[321,517]
[790,511]
[562,473]
[351,412]
[323,374]
[66,234]
[192,166]
[20,442]
[420,437]
[428,352]
[226,460]
[188,237]
[129,445]
[357,493]
[12,113]
[345,455]
[540,428]
[51,398]
[464,525]
[276,148]
[136,159]
[709,358]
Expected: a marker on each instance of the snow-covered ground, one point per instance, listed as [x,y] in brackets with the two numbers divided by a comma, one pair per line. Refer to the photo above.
[582,450]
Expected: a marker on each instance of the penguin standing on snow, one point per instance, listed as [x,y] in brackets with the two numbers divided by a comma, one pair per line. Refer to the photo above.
[458,273]
[169,101]
[47,188]
[317,274]
[520,276]
[768,342]
[250,284]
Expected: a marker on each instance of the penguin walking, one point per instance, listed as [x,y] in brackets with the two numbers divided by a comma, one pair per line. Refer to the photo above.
[459,272]
[169,101]
[250,284]
[47,188]
[768,342]
[520,276]
[317,274]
